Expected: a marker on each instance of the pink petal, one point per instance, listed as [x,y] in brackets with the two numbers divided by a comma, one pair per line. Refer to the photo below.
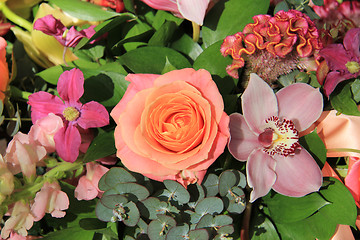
[67,143]
[89,32]
[301,104]
[43,103]
[71,85]
[258,103]
[51,26]
[352,181]
[242,140]
[85,190]
[193,10]
[260,171]
[297,175]
[333,79]
[73,37]
[352,41]
[93,114]
[336,57]
[163,5]
[138,83]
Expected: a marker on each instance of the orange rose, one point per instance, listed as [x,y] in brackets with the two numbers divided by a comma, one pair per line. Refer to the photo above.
[171,126]
[4,76]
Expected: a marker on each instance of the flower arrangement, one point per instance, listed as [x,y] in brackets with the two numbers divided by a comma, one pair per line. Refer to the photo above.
[161,119]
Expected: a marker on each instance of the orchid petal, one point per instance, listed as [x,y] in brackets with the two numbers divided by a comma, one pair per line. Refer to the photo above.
[43,103]
[193,10]
[242,140]
[300,103]
[260,170]
[71,85]
[352,41]
[93,114]
[258,103]
[297,175]
[165,5]
[67,143]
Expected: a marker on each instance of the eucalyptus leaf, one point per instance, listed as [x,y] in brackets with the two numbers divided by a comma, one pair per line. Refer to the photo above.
[209,205]
[355,88]
[132,214]
[198,234]
[135,192]
[114,176]
[237,200]
[153,206]
[178,192]
[178,232]
[211,185]
[159,227]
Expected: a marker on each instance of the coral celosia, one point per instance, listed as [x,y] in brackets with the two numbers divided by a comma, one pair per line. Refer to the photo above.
[280,41]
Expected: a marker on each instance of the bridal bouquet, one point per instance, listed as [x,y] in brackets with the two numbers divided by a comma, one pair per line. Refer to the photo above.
[179,119]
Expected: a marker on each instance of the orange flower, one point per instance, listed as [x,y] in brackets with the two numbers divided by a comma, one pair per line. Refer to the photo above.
[171,126]
[4,76]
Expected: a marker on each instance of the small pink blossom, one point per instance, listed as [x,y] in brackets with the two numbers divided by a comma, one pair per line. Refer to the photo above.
[191,10]
[77,117]
[87,187]
[6,179]
[54,27]
[23,154]
[44,130]
[50,199]
[20,220]
[266,136]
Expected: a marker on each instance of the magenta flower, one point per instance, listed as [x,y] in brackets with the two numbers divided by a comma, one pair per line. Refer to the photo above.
[191,10]
[75,115]
[266,136]
[343,60]
[67,37]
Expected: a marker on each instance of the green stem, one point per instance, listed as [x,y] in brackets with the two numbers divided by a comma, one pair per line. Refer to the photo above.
[344,150]
[17,93]
[15,18]
[196,32]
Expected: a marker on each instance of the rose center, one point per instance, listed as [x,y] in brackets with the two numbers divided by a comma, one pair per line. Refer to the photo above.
[279,137]
[353,67]
[71,113]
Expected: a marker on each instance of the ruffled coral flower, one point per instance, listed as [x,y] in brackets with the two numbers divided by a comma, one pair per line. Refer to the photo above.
[76,116]
[272,46]
[343,60]
[267,134]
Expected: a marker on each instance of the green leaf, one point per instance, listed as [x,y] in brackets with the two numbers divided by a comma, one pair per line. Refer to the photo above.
[73,233]
[133,214]
[235,200]
[285,209]
[159,227]
[115,176]
[211,185]
[163,35]
[342,101]
[209,205]
[186,45]
[178,232]
[103,145]
[153,59]
[227,180]
[153,206]
[84,10]
[229,17]
[281,6]
[355,88]
[318,2]
[315,146]
[162,16]
[261,227]
[133,191]
[168,67]
[198,234]
[178,192]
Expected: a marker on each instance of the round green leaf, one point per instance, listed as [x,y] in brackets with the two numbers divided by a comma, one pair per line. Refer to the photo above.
[205,221]
[237,200]
[198,234]
[211,183]
[111,201]
[135,192]
[209,205]
[227,180]
[132,213]
[103,213]
[153,206]
[114,176]
[178,232]
[159,227]
[178,192]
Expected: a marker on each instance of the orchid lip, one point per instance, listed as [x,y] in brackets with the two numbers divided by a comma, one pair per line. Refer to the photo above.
[279,137]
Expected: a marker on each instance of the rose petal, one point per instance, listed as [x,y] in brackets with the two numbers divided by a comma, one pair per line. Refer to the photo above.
[297,175]
[260,171]
[301,104]
[258,95]
[242,140]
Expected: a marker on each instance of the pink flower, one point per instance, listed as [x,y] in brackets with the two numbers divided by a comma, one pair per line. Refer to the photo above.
[191,10]
[50,199]
[343,60]
[23,154]
[54,27]
[20,220]
[87,187]
[75,115]
[352,180]
[266,136]
[118,5]
[171,126]
[6,180]
[44,130]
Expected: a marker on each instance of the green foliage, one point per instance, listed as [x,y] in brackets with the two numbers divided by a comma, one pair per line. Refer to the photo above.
[171,211]
[342,100]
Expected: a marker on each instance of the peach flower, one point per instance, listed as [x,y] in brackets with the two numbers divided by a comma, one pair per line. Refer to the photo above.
[171,126]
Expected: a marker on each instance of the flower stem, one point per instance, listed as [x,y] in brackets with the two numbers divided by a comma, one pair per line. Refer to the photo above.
[196,31]
[17,93]
[344,150]
[15,18]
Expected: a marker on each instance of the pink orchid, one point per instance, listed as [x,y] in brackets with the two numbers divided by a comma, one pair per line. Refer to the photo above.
[266,136]
[87,187]
[20,220]
[191,10]
[44,130]
[343,60]
[23,155]
[75,115]
[54,27]
[50,199]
